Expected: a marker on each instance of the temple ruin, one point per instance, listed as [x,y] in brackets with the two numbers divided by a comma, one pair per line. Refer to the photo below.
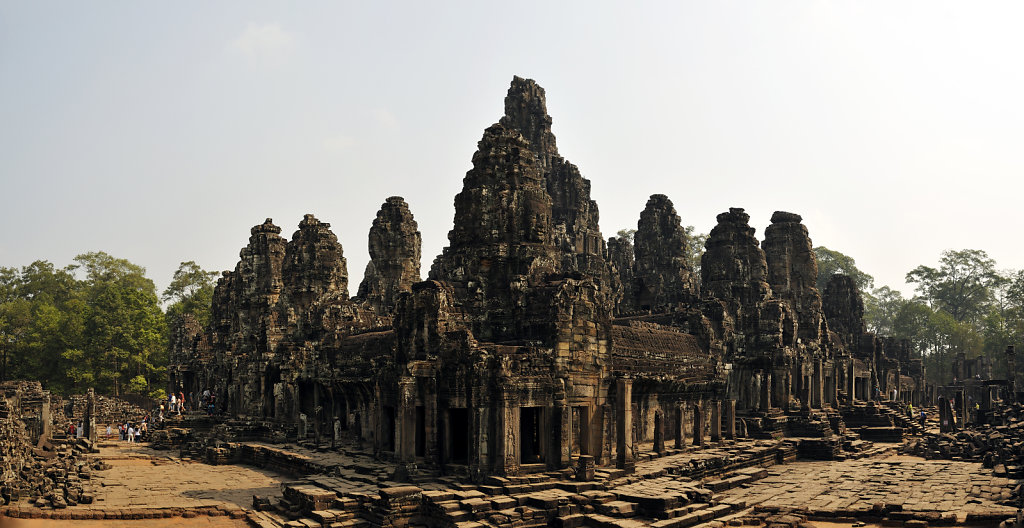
[536,343]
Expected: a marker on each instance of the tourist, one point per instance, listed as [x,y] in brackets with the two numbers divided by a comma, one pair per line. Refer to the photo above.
[922,418]
[173,403]
[71,429]
[131,434]
[109,431]
[181,401]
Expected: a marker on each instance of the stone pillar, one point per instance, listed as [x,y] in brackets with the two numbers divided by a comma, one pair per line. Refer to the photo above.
[698,424]
[481,460]
[659,432]
[607,428]
[90,416]
[716,421]
[833,393]
[432,447]
[405,418]
[817,385]
[624,424]
[337,432]
[730,419]
[680,427]
[787,388]
[852,396]
[508,437]
[302,427]
[766,390]
[45,418]
[565,438]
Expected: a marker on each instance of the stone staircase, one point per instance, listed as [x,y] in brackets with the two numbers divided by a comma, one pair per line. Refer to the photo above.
[900,418]
[672,491]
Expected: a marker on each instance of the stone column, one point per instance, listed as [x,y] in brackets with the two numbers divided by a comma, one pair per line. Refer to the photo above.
[680,426]
[698,424]
[44,417]
[375,419]
[817,385]
[730,419]
[853,382]
[624,424]
[833,393]
[565,438]
[607,428]
[405,419]
[90,416]
[432,447]
[508,437]
[659,432]
[716,421]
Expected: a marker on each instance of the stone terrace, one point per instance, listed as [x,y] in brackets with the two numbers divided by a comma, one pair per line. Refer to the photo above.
[904,487]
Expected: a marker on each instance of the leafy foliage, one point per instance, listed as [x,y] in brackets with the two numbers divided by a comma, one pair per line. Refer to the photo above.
[96,323]
[831,262]
[963,285]
[695,249]
[190,292]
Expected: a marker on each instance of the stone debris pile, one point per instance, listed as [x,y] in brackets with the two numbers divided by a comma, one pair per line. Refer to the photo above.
[1000,447]
[52,472]
[109,410]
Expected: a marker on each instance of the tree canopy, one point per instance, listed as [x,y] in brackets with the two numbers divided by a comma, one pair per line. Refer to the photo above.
[96,323]
[831,262]
[963,285]
[190,292]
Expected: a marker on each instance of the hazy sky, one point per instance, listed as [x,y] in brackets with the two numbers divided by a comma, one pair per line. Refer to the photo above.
[161,132]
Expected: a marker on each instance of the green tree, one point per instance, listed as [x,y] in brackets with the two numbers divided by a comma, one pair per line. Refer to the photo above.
[881,309]
[694,249]
[190,292]
[125,329]
[962,285]
[831,262]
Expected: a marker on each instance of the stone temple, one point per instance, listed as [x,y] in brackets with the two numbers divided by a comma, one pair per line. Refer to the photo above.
[536,344]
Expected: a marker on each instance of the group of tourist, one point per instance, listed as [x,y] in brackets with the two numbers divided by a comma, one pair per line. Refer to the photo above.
[178,403]
[133,432]
[75,430]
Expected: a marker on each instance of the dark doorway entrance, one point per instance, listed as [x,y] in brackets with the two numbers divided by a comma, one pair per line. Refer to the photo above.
[388,429]
[421,431]
[458,423]
[529,435]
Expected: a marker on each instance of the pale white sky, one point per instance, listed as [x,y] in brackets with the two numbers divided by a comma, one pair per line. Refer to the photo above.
[161,132]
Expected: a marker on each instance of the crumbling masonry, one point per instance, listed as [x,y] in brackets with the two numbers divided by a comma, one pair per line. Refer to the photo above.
[535,341]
